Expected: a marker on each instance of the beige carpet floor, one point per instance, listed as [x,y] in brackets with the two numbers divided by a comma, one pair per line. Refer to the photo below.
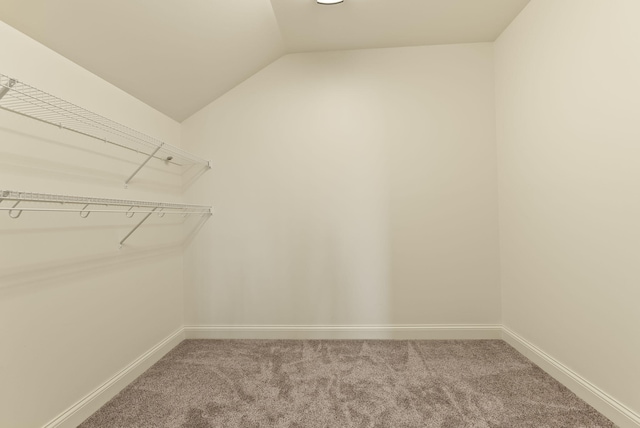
[323,384]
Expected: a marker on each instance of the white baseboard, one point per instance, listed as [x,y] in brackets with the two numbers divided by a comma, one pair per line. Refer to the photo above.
[594,396]
[416,332]
[600,400]
[88,405]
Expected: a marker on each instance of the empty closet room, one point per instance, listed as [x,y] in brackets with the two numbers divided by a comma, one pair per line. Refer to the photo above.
[282,213]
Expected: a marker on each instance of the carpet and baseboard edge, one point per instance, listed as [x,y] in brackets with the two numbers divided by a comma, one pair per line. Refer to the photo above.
[346,332]
[617,412]
[600,400]
[90,403]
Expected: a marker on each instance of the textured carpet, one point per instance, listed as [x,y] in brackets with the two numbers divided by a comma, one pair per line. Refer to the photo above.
[309,384]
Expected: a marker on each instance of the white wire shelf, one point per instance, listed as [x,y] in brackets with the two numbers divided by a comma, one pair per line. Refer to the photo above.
[87,205]
[23,99]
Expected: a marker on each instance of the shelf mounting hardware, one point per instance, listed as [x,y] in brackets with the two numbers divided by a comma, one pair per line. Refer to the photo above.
[84,213]
[126,183]
[6,88]
[137,226]
[13,209]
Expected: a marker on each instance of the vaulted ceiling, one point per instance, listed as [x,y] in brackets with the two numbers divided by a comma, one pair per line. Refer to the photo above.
[179,55]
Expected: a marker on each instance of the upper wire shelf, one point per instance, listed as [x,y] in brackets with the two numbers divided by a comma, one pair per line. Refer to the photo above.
[88,205]
[23,99]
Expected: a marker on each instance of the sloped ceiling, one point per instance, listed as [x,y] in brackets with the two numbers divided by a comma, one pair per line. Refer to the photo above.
[175,55]
[179,55]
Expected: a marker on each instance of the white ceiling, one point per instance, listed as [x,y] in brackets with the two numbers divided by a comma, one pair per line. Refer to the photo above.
[360,24]
[179,55]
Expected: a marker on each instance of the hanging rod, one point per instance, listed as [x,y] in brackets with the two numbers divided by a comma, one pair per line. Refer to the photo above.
[88,203]
[25,100]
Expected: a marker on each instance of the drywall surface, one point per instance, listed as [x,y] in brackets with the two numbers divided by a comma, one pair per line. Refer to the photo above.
[75,310]
[568,103]
[351,188]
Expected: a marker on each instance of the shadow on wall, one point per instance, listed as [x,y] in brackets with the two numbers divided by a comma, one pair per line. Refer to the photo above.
[191,175]
[42,248]
[302,235]
[29,153]
[64,253]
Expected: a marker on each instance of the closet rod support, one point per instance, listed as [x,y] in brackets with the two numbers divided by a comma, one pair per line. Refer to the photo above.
[126,183]
[137,226]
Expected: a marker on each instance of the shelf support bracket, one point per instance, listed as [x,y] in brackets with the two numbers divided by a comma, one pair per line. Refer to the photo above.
[5,89]
[126,183]
[84,213]
[137,226]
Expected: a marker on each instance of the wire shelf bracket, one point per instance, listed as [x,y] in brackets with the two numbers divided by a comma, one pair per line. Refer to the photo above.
[136,227]
[126,182]
[83,206]
[26,100]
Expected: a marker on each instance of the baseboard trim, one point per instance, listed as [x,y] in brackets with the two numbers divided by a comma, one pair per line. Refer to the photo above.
[600,400]
[617,412]
[416,332]
[88,405]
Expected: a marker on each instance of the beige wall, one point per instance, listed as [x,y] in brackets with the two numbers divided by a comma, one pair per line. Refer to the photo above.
[351,188]
[75,310]
[568,109]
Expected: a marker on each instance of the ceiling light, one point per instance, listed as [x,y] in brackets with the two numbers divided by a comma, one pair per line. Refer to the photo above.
[329,1]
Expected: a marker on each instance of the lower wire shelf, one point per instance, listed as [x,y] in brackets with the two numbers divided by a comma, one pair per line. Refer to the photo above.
[41,202]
